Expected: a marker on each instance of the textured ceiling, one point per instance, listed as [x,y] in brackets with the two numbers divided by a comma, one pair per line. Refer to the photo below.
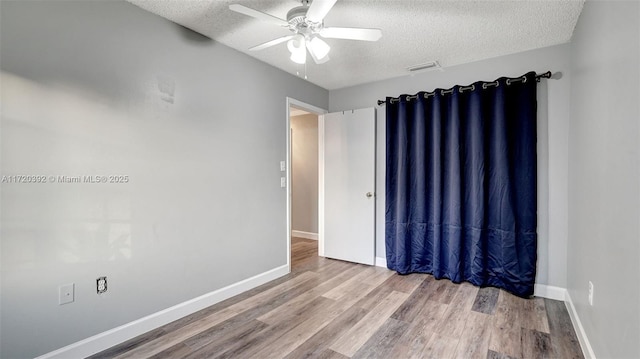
[414,32]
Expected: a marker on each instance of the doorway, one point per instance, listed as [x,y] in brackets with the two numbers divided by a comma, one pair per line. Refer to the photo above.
[303,177]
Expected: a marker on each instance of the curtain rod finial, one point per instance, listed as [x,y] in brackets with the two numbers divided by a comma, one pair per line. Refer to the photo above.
[544,75]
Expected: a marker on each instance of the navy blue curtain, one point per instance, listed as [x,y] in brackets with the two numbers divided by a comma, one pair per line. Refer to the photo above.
[461,184]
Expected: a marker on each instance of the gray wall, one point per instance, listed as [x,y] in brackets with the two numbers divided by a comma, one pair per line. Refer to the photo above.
[604,195]
[304,171]
[105,88]
[553,129]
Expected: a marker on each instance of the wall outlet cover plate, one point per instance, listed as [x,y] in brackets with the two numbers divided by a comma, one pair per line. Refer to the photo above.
[101,285]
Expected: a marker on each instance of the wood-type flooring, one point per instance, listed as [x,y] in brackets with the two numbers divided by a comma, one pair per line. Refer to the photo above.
[332,309]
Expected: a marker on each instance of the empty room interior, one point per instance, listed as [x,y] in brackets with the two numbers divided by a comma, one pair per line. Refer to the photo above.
[319,179]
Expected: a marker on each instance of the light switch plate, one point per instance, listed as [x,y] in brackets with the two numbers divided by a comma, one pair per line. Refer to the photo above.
[66,293]
[283,166]
[283,182]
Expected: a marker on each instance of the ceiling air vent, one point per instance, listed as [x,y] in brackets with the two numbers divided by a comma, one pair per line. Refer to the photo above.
[427,66]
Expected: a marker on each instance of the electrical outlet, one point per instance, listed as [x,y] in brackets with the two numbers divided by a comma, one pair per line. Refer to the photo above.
[101,285]
[590,293]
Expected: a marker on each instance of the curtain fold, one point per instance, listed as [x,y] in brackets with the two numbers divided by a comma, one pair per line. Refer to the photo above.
[461,184]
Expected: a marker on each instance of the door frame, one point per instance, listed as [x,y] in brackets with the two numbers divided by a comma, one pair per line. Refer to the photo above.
[317,111]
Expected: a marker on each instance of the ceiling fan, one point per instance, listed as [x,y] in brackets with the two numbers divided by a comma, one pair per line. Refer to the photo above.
[306,23]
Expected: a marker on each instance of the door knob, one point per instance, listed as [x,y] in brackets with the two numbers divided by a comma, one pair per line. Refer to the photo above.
[369,194]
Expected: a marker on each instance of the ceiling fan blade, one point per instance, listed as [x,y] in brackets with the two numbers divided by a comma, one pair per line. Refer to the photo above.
[271,43]
[319,9]
[258,15]
[351,33]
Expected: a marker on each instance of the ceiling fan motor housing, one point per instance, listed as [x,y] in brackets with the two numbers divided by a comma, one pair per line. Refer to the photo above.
[298,22]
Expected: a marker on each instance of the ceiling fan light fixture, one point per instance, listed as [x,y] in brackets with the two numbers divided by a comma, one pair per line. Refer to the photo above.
[299,57]
[318,48]
[297,47]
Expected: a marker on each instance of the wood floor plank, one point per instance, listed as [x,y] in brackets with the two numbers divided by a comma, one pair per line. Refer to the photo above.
[330,354]
[374,297]
[302,251]
[495,355]
[412,344]
[465,296]
[430,315]
[382,341]
[380,275]
[319,342]
[170,339]
[439,347]
[536,344]
[401,283]
[179,350]
[351,341]
[290,335]
[222,333]
[267,295]
[257,311]
[534,315]
[303,331]
[348,286]
[486,300]
[408,311]
[245,322]
[179,335]
[284,312]
[443,291]
[406,283]
[226,303]
[215,344]
[129,344]
[335,266]
[474,341]
[248,346]
[453,322]
[563,338]
[257,344]
[505,331]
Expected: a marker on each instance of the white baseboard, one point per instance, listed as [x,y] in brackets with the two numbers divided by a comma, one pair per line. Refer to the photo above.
[587,350]
[302,234]
[549,292]
[115,336]
[381,262]
[558,293]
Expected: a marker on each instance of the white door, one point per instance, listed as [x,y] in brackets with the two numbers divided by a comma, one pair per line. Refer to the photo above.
[348,185]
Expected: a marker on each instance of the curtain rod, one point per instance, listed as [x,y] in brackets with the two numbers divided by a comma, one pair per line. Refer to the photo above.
[544,75]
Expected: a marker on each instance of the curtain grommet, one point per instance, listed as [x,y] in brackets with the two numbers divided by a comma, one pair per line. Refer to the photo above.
[486,85]
[463,89]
